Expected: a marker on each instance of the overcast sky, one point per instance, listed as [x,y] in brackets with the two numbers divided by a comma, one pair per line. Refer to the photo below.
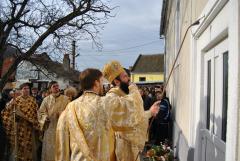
[133,31]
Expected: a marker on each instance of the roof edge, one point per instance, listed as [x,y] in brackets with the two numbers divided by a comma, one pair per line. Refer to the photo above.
[147,73]
[133,68]
[163,17]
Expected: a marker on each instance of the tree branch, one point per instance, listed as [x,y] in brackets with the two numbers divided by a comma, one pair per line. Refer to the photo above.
[35,26]
[71,2]
[31,24]
[54,27]
[16,47]
[14,20]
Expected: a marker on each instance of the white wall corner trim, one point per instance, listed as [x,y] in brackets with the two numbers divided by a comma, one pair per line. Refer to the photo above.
[210,11]
[233,93]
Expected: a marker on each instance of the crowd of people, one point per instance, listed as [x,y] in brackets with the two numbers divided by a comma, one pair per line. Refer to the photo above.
[160,127]
[94,124]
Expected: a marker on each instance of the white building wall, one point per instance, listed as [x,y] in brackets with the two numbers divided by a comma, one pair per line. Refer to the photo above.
[233,135]
[185,88]
[220,27]
[178,88]
[205,40]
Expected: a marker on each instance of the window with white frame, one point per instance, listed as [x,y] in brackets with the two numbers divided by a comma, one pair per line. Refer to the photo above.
[216,89]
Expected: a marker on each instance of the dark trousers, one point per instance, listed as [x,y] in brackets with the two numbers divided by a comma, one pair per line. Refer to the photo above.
[159,132]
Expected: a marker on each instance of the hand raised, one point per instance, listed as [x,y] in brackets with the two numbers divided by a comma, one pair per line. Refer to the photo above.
[155,108]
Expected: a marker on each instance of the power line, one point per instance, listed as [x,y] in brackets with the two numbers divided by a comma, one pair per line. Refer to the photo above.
[123,49]
[132,46]
[119,54]
[110,54]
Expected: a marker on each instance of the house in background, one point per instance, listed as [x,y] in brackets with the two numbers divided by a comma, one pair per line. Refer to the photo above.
[9,57]
[204,88]
[40,70]
[148,69]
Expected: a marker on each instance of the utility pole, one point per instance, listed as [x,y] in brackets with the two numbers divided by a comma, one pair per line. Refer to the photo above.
[73,54]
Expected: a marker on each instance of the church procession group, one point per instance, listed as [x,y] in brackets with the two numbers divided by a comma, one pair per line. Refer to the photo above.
[92,127]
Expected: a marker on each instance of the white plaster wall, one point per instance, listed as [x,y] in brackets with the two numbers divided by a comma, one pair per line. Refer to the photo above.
[227,18]
[232,146]
[178,88]
[185,89]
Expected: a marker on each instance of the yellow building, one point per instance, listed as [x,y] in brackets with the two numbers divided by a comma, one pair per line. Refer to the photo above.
[148,69]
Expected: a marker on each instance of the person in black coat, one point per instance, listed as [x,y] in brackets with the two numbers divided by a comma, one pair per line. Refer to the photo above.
[159,130]
[5,98]
[147,101]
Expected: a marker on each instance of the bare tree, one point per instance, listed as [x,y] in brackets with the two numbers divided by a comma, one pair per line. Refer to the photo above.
[35,25]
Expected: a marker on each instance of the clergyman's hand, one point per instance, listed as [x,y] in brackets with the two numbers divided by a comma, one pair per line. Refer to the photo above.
[19,113]
[155,108]
[46,124]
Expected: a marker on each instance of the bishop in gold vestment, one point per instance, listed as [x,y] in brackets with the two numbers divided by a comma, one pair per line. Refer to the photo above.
[128,142]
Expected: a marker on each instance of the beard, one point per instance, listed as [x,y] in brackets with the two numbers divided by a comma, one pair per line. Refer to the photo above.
[124,87]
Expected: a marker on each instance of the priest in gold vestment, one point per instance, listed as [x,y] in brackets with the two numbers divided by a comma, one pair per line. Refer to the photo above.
[48,114]
[128,142]
[85,128]
[26,125]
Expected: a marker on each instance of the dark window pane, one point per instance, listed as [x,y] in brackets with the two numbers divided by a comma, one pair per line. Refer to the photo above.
[142,79]
[208,92]
[225,96]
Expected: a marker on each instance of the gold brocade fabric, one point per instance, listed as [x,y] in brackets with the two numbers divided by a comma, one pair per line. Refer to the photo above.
[128,141]
[26,123]
[84,131]
[51,108]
